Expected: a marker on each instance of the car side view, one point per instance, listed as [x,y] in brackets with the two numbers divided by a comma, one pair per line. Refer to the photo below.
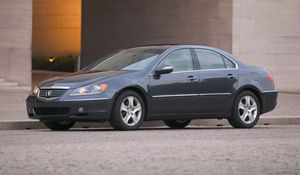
[173,83]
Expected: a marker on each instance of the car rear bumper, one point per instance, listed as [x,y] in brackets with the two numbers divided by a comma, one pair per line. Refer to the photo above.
[92,110]
[269,101]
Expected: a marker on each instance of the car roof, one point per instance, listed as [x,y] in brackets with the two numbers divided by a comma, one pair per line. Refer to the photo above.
[167,46]
[163,46]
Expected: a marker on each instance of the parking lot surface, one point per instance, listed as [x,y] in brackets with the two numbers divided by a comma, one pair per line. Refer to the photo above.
[195,150]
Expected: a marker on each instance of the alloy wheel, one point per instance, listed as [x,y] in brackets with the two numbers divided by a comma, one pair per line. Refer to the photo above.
[131,110]
[247,109]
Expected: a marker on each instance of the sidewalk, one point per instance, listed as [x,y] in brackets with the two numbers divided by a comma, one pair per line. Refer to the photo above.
[13,113]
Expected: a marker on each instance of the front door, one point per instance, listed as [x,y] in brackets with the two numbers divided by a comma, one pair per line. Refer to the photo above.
[176,92]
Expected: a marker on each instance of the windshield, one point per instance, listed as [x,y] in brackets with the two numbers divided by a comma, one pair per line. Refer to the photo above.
[130,59]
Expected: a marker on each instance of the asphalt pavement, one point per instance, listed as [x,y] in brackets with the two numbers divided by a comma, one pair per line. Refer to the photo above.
[154,151]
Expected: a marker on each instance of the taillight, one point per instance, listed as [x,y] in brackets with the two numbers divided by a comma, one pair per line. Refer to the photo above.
[270,78]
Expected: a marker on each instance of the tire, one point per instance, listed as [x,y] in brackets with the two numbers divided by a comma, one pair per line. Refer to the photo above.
[246,110]
[128,111]
[177,124]
[59,126]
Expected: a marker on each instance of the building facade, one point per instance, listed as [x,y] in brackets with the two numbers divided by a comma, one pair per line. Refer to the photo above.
[56,27]
[266,33]
[262,32]
[15,41]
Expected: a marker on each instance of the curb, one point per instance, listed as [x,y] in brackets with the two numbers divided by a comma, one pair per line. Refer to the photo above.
[31,124]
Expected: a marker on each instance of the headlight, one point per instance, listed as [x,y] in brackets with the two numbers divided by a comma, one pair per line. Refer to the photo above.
[90,89]
[35,90]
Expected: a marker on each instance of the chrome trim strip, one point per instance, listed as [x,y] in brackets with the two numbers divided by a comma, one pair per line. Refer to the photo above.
[46,99]
[175,95]
[186,71]
[86,99]
[55,87]
[270,91]
[201,70]
[212,94]
[189,95]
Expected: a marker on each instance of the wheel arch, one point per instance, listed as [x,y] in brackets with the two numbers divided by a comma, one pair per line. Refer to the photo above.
[136,89]
[252,89]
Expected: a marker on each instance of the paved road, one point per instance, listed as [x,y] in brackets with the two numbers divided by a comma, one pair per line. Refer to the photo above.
[153,151]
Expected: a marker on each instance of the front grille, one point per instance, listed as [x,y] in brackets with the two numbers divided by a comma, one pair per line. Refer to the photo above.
[51,111]
[51,93]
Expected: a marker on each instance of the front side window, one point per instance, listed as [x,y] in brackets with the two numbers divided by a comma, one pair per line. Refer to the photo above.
[181,60]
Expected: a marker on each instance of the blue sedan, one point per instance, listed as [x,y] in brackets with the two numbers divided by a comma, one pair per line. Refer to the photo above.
[173,83]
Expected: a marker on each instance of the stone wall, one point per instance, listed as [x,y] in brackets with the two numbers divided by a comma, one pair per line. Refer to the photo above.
[15,40]
[108,25]
[267,33]
[56,27]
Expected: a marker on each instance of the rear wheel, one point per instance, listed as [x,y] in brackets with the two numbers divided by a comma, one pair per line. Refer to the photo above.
[177,124]
[246,110]
[59,126]
[128,111]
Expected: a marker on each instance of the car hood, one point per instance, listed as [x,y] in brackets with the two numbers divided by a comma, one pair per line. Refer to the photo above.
[80,78]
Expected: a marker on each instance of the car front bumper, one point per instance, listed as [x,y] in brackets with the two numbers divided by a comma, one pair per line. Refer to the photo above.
[77,110]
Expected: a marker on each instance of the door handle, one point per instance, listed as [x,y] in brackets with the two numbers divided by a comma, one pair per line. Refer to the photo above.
[191,78]
[230,76]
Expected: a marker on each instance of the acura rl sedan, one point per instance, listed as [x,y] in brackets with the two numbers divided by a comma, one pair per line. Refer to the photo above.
[173,83]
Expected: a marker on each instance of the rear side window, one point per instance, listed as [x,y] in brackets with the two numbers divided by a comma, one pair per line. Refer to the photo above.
[228,63]
[181,60]
[212,60]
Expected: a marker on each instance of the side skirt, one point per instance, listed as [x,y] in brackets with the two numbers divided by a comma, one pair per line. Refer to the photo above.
[186,116]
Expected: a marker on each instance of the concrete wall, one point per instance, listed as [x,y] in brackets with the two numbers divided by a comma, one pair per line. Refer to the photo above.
[15,40]
[108,25]
[267,33]
[56,27]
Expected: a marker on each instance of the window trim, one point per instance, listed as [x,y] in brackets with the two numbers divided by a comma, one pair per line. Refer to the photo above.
[195,61]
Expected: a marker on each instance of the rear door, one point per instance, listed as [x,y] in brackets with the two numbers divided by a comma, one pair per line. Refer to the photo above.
[218,79]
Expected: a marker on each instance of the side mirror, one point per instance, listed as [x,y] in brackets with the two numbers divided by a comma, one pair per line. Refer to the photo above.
[164,70]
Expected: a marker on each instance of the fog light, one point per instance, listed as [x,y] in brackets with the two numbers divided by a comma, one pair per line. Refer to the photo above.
[81,109]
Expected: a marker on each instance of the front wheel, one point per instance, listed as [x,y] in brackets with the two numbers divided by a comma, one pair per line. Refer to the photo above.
[177,124]
[246,110]
[59,126]
[128,111]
